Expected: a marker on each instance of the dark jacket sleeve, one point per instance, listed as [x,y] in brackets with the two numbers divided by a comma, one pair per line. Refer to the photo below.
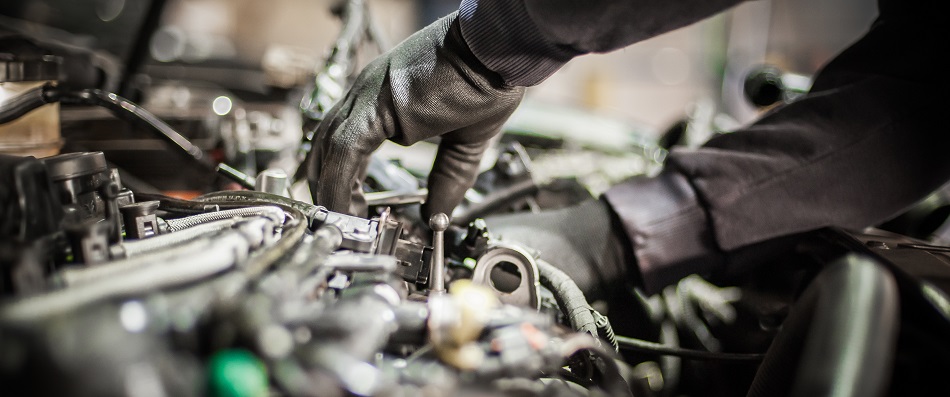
[525,41]
[868,141]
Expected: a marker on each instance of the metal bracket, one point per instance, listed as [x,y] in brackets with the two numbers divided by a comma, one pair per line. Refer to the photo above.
[509,257]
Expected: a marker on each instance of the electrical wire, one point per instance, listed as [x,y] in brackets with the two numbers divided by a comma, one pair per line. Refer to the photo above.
[613,381]
[925,247]
[652,347]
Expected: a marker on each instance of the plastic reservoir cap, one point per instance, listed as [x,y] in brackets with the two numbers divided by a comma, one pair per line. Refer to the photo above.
[236,373]
[71,165]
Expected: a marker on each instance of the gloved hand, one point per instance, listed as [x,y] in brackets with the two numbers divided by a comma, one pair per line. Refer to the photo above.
[585,241]
[429,85]
[693,304]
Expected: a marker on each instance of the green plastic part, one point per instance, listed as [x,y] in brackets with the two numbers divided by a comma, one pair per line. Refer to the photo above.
[236,373]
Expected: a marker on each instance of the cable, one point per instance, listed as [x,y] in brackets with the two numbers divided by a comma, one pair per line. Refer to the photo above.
[652,347]
[130,111]
[925,247]
[613,381]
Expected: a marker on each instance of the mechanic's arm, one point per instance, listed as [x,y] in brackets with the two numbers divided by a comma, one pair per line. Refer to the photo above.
[866,143]
[460,79]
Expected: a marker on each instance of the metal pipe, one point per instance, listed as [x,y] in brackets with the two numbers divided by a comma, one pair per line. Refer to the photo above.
[195,261]
[134,248]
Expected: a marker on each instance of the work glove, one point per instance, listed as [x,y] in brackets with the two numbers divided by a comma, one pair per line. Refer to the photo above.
[430,85]
[585,241]
[693,305]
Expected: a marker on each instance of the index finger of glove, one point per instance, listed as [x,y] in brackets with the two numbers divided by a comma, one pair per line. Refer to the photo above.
[453,173]
[341,157]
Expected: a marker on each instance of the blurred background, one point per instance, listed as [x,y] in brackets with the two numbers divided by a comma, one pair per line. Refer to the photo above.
[230,74]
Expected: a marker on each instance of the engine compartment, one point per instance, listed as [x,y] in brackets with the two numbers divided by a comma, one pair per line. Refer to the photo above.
[167,247]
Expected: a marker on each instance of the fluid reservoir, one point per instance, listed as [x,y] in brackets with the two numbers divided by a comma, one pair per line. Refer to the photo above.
[36,133]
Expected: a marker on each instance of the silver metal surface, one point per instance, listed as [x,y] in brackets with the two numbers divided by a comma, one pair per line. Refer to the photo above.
[438,223]
[273,181]
[528,290]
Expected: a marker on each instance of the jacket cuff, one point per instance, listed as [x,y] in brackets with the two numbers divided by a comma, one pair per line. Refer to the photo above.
[668,229]
[505,39]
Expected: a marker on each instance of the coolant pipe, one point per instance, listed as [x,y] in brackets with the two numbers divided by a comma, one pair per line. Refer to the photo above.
[199,259]
[132,248]
[256,229]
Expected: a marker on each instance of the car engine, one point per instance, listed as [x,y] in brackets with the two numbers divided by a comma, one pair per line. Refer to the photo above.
[112,285]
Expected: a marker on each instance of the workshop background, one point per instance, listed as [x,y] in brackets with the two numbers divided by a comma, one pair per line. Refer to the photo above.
[652,84]
[230,74]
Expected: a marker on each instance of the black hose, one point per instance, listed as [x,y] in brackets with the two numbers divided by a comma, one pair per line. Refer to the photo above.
[656,348]
[129,111]
[24,103]
[119,106]
[840,336]
[292,234]
[251,196]
[853,335]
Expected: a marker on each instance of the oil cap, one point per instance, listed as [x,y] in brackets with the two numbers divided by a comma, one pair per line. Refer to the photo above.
[76,164]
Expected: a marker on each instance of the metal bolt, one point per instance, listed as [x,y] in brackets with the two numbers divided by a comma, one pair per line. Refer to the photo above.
[438,223]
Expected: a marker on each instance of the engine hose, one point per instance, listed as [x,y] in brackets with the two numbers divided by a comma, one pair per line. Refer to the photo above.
[133,248]
[194,261]
[18,106]
[130,111]
[123,108]
[249,197]
[658,348]
[144,252]
[292,234]
[840,335]
[275,214]
[217,201]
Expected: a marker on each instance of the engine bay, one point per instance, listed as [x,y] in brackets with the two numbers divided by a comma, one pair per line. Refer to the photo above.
[168,246]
